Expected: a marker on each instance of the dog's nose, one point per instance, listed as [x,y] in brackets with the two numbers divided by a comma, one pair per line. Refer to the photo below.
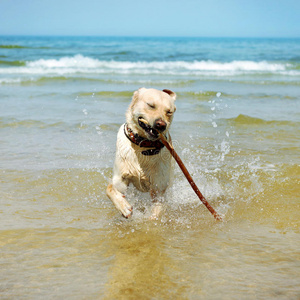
[160,125]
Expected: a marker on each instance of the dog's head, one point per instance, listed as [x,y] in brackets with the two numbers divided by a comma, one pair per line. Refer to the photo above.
[155,107]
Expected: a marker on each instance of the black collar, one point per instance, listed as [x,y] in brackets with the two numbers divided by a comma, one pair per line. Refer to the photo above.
[142,142]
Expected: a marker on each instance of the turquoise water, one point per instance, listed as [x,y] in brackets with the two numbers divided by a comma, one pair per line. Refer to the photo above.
[237,128]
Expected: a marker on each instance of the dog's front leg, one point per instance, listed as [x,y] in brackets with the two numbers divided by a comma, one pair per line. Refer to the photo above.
[115,191]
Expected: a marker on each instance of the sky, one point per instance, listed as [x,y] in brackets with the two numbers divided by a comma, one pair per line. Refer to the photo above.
[199,18]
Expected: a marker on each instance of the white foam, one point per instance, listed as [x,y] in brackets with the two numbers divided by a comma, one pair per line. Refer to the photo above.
[81,65]
[10,80]
[77,61]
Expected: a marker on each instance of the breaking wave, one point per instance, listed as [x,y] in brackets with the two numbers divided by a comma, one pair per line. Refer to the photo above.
[80,64]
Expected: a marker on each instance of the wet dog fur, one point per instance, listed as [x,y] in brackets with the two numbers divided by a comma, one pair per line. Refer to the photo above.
[146,173]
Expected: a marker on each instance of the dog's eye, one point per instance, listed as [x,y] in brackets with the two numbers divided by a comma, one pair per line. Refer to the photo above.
[151,105]
[169,113]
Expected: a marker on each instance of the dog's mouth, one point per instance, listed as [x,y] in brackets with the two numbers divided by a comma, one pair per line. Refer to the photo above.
[152,133]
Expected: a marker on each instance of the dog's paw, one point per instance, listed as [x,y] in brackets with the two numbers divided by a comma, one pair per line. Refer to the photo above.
[127,211]
[119,200]
[124,207]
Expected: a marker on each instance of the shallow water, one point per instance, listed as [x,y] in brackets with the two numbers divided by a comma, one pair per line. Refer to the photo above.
[236,128]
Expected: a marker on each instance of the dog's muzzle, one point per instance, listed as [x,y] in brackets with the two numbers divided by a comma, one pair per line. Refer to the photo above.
[159,126]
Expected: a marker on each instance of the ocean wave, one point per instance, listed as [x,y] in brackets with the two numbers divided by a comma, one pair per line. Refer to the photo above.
[44,79]
[248,120]
[79,64]
[12,63]
[11,80]
[12,47]
[20,47]
[106,94]
[14,123]
[38,124]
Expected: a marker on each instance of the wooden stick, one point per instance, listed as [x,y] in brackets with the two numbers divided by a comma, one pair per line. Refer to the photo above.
[189,177]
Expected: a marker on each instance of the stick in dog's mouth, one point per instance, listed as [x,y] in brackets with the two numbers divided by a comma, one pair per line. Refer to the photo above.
[185,172]
[141,119]
[144,124]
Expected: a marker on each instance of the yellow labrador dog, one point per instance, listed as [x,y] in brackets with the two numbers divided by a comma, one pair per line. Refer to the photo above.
[141,158]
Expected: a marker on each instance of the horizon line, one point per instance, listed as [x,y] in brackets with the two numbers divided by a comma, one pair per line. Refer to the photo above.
[148,36]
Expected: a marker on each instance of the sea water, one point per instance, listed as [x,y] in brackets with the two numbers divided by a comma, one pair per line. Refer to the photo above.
[236,128]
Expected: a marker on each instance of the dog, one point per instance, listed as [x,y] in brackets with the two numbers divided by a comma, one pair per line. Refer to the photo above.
[141,158]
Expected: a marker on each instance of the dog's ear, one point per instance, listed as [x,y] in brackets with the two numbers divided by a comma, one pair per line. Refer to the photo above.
[170,93]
